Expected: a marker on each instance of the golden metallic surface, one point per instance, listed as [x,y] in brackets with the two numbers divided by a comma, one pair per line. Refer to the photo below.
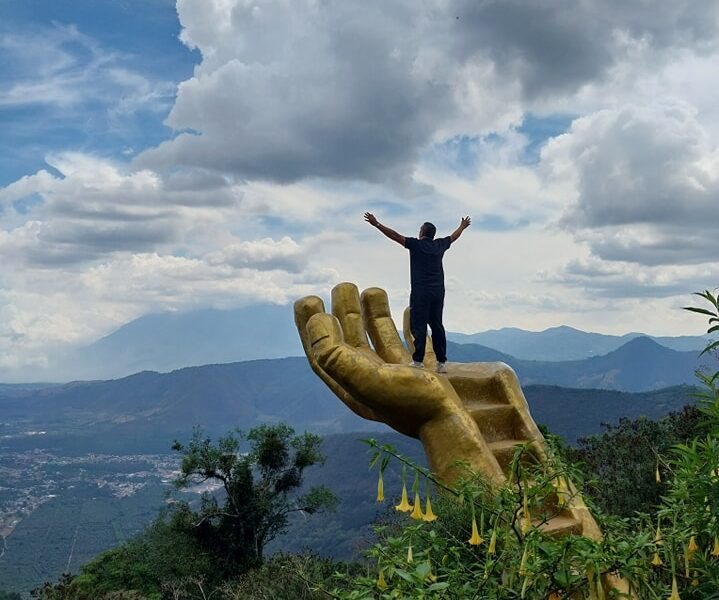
[476,413]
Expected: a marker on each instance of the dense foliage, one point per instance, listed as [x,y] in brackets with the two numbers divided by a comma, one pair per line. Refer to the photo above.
[165,551]
[489,543]
[674,551]
[620,466]
[292,577]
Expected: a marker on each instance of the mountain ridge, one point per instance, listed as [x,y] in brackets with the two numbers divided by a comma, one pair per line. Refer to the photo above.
[639,365]
[158,406]
[562,342]
[166,341]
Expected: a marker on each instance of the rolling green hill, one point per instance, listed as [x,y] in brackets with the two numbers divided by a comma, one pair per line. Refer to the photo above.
[145,411]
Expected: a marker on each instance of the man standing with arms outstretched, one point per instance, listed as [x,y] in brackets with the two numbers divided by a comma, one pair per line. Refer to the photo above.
[426,300]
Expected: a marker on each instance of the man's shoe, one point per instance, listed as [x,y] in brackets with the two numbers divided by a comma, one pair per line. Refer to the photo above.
[441,367]
[416,365]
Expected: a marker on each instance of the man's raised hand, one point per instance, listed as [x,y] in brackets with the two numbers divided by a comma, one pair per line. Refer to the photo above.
[463,224]
[371,219]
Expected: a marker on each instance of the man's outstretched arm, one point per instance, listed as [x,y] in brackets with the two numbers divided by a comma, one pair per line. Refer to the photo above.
[464,223]
[390,233]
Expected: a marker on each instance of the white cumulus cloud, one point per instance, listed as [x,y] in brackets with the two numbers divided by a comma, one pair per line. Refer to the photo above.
[645,184]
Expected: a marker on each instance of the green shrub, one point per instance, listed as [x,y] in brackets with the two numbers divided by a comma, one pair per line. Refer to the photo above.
[620,465]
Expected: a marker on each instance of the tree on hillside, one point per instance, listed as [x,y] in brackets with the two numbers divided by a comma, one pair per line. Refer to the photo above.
[621,465]
[260,489]
[198,553]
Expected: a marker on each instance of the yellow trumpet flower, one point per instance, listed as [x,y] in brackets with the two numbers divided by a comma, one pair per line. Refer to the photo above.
[417,512]
[380,488]
[657,476]
[600,587]
[404,505]
[410,556]
[692,547]
[562,492]
[526,524]
[381,583]
[525,585]
[475,540]
[658,536]
[523,563]
[715,550]
[591,584]
[526,521]
[430,576]
[492,543]
[675,589]
[657,560]
[429,516]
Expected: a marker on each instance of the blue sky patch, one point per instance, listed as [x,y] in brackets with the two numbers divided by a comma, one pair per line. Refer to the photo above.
[87,76]
[26,204]
[459,154]
[498,223]
[539,130]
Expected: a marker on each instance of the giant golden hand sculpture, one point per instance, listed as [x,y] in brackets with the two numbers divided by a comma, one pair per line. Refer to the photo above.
[476,413]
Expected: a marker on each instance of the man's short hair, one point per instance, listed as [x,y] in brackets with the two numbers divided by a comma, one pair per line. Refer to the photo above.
[429,230]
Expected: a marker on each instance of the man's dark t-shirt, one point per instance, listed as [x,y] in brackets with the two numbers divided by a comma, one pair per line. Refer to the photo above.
[425,261]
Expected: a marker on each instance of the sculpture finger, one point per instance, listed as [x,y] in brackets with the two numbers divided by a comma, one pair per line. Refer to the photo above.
[397,391]
[348,311]
[381,328]
[306,308]
[430,358]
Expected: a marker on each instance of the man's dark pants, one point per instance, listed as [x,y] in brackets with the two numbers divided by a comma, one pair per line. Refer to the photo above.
[425,308]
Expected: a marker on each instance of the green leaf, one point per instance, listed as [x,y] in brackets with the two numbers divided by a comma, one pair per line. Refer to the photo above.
[440,585]
[706,294]
[562,578]
[701,311]
[422,570]
[710,347]
[404,575]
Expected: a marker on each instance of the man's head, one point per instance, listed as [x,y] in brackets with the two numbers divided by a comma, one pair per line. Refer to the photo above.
[427,230]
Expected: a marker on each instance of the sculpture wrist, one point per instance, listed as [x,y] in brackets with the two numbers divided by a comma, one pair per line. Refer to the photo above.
[466,446]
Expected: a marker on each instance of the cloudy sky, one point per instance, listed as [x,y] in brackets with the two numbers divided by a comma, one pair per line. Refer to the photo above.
[158,155]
